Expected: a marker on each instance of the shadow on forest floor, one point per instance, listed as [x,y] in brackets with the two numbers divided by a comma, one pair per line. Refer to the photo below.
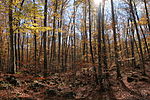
[67,86]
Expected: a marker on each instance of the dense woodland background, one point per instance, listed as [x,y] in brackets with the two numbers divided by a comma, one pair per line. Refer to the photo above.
[76,40]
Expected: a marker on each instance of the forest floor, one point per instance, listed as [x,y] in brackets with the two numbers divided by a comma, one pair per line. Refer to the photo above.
[75,86]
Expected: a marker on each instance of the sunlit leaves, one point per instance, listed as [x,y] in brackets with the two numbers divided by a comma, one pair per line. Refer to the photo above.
[16,2]
[38,29]
[143,21]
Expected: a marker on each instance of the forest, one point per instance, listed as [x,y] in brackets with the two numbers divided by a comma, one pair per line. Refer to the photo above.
[74,49]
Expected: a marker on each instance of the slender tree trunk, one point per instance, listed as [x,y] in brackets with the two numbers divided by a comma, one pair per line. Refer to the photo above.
[145,41]
[12,68]
[104,41]
[132,46]
[147,15]
[48,44]
[53,47]
[132,51]
[44,36]
[109,47]
[134,40]
[115,40]
[18,40]
[35,42]
[90,42]
[40,48]
[138,36]
[85,49]
[99,44]
[59,33]
[1,50]
[16,56]
[127,53]
[27,47]
[19,59]
[74,33]
[63,56]
[22,49]
[35,49]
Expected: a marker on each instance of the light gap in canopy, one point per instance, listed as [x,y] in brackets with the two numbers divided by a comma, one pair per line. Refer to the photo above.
[97,2]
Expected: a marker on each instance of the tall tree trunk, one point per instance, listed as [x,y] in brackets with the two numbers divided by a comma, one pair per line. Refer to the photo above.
[1,50]
[90,42]
[85,49]
[99,44]
[27,47]
[134,40]
[44,36]
[74,33]
[109,47]
[19,59]
[147,15]
[132,46]
[16,56]
[138,36]
[12,68]
[59,33]
[115,40]
[127,53]
[22,49]
[18,46]
[104,40]
[53,46]
[145,41]
[35,42]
